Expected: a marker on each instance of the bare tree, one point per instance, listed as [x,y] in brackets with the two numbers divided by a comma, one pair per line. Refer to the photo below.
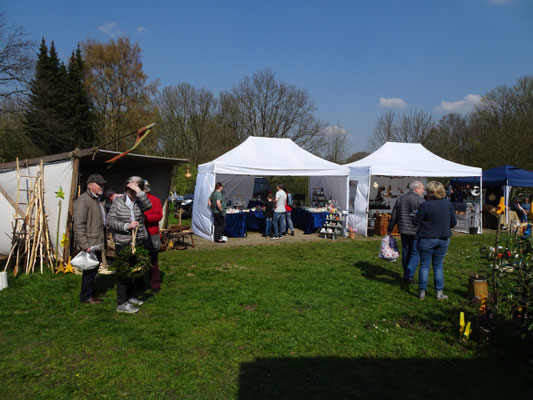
[16,60]
[261,105]
[413,127]
[335,141]
[188,122]
[357,156]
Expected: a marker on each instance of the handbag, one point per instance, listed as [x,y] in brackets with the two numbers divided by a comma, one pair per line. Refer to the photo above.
[85,261]
[389,249]
[155,242]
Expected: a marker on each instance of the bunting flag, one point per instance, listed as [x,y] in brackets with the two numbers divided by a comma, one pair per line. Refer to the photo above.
[141,134]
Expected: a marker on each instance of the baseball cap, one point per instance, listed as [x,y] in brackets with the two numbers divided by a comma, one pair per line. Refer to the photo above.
[96,179]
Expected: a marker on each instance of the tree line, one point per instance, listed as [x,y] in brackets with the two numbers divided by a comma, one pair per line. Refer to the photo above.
[499,130]
[102,93]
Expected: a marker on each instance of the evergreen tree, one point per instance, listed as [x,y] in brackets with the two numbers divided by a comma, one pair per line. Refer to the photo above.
[81,119]
[44,117]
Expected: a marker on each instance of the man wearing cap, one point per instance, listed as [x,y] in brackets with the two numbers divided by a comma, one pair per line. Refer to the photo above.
[151,220]
[88,227]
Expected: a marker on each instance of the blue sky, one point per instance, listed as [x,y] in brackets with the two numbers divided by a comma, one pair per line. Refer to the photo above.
[356,59]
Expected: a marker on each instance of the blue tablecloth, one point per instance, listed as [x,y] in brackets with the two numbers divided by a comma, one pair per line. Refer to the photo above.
[309,222]
[255,221]
[235,225]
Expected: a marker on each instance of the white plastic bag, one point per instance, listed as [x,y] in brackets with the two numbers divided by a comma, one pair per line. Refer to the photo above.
[86,260]
[389,249]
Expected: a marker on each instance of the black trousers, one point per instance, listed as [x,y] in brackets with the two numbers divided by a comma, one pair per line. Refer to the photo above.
[124,285]
[88,281]
[220,225]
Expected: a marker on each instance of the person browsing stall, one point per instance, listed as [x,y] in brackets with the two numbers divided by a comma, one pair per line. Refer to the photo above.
[217,203]
[151,219]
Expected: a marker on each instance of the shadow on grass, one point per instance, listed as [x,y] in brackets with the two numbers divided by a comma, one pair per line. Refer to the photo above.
[378,273]
[379,378]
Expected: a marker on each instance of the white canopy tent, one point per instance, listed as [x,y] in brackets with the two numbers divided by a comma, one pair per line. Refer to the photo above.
[260,156]
[397,160]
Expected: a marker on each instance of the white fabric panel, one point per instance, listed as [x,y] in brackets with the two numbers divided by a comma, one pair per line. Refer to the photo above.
[411,159]
[334,187]
[6,228]
[237,185]
[55,175]
[359,219]
[202,223]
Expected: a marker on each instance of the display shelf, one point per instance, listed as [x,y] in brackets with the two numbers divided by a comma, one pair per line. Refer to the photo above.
[333,226]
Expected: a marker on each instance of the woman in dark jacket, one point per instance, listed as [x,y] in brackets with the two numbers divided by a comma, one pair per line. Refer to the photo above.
[434,218]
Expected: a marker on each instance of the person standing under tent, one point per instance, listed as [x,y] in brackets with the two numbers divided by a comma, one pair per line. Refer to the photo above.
[402,215]
[279,212]
[288,211]
[434,218]
[89,220]
[151,220]
[269,212]
[217,203]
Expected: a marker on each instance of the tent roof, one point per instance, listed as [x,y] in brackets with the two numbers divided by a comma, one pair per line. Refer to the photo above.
[272,157]
[504,175]
[96,154]
[409,159]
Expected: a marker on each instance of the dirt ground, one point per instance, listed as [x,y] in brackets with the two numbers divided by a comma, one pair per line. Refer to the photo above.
[255,238]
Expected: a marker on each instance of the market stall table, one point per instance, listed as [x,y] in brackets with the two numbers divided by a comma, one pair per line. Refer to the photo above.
[255,221]
[235,225]
[308,221]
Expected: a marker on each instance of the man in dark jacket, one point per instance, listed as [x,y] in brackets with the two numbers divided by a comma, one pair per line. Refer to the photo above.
[402,215]
[89,222]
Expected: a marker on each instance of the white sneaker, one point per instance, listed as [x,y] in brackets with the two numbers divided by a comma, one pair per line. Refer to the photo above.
[127,308]
[136,302]
[224,238]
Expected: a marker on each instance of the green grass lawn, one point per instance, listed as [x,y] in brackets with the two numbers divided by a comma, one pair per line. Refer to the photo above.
[327,320]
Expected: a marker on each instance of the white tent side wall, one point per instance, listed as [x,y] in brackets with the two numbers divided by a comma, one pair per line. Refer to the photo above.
[56,175]
[358,220]
[202,224]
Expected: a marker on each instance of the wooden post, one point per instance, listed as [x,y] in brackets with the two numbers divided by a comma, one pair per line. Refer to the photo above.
[73,190]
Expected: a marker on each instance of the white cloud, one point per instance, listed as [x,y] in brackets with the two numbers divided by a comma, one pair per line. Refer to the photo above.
[110,29]
[394,102]
[334,129]
[465,105]
[141,29]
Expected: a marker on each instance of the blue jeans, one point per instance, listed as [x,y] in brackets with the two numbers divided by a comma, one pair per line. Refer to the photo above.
[410,256]
[432,251]
[289,221]
[268,226]
[279,223]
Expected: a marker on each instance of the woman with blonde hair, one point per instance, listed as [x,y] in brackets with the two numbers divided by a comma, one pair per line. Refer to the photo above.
[434,218]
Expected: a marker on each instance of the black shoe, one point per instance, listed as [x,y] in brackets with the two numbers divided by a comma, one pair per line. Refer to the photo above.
[155,291]
[292,233]
[410,281]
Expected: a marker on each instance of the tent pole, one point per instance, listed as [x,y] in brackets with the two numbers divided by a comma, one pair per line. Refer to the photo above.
[480,229]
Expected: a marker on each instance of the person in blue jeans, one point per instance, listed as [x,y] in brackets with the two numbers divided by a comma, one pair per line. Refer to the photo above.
[434,218]
[279,212]
[402,215]
[269,211]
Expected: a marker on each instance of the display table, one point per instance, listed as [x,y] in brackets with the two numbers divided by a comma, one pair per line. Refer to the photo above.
[255,221]
[307,221]
[235,225]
